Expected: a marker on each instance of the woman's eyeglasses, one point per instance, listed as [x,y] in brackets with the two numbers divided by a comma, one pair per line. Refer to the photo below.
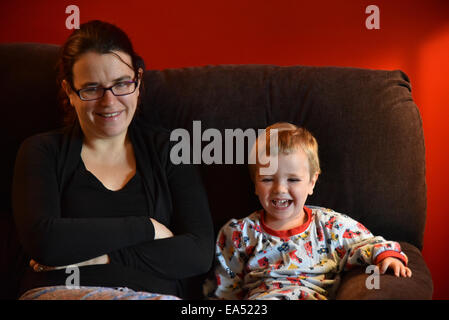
[121,88]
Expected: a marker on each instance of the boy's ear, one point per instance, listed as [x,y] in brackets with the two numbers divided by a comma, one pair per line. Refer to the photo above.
[313,182]
[255,189]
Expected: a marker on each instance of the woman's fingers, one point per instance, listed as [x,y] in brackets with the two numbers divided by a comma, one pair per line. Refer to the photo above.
[160,231]
[35,266]
[39,267]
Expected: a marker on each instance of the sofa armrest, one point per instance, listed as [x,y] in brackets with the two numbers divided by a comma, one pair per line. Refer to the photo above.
[419,286]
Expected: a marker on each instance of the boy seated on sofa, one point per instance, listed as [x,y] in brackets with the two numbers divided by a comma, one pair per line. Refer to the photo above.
[288,250]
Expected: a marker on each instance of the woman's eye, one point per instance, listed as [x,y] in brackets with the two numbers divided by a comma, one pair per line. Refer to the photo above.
[266,180]
[121,84]
[293,180]
[91,90]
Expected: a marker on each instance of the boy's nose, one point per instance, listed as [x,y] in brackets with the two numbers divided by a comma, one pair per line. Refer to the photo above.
[279,188]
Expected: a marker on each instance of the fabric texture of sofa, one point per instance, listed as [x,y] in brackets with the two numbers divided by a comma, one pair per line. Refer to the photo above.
[367,125]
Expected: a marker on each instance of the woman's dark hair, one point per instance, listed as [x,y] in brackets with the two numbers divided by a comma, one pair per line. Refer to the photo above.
[93,36]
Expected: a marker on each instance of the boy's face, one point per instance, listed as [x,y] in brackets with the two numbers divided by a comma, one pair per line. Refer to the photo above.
[284,193]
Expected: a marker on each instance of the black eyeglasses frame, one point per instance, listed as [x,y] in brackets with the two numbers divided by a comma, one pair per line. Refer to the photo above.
[135,81]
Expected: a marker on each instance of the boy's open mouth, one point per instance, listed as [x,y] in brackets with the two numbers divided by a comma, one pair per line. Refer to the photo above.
[281,203]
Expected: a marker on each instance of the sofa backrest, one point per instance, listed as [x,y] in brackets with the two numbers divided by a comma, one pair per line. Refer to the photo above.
[368,128]
[367,125]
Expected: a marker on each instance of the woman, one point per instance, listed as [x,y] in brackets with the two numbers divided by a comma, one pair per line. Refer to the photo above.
[102,193]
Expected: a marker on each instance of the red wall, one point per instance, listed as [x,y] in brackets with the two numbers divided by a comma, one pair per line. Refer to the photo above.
[413,37]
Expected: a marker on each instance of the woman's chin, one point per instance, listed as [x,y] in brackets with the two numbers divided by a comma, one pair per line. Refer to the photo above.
[110,130]
[111,133]
[106,132]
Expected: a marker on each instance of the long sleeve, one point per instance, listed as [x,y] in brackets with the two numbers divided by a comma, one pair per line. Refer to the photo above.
[190,251]
[357,245]
[45,234]
[229,264]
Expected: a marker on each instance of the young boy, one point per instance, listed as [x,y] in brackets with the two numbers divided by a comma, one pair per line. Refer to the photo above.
[288,250]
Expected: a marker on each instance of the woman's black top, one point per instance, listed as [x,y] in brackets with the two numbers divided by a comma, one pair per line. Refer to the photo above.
[64,215]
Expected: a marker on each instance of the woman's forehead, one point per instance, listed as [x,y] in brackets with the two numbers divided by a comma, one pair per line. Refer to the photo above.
[93,67]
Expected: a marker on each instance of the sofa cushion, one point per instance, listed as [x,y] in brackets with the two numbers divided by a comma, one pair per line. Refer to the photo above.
[419,286]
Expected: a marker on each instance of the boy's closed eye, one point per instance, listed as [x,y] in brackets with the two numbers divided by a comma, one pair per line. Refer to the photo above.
[289,180]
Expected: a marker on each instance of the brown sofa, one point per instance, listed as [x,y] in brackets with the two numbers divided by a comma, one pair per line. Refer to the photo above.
[366,122]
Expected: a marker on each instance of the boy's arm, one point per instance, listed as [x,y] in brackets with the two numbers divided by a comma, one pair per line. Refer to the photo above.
[372,250]
[361,247]
[229,263]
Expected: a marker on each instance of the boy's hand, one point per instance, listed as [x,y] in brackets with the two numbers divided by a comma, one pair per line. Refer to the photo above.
[397,266]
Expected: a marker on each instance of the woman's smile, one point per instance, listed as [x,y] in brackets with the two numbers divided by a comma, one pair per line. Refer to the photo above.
[109,116]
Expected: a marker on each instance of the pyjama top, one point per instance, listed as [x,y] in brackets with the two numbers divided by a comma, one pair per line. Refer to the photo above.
[254,261]
[64,215]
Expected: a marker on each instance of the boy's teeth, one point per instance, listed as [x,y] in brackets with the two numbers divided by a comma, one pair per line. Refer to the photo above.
[280,203]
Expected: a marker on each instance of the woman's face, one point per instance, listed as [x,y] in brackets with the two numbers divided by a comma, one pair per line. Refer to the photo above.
[110,115]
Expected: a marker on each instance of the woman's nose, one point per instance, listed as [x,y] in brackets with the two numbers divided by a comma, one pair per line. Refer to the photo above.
[108,98]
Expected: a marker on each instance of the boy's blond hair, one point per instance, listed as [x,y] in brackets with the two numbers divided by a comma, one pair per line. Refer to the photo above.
[289,139]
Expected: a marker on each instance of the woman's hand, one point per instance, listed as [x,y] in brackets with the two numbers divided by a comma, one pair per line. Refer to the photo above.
[397,266]
[160,231]
[37,267]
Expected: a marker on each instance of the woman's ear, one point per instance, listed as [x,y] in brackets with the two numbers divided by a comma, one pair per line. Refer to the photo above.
[139,76]
[68,90]
[66,87]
